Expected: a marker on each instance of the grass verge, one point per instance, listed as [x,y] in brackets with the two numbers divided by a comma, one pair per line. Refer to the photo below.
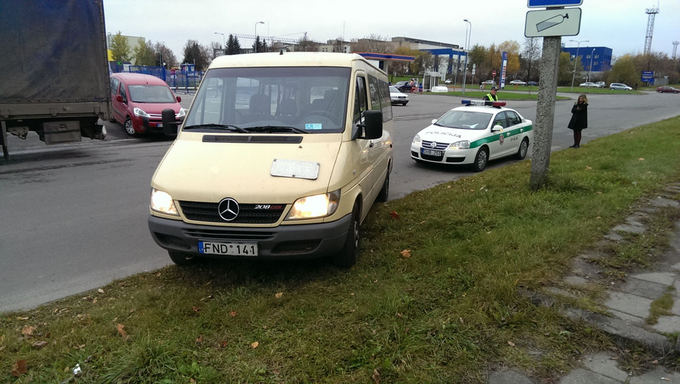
[446,311]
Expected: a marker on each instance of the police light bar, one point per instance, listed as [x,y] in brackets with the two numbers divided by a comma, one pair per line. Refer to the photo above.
[483,103]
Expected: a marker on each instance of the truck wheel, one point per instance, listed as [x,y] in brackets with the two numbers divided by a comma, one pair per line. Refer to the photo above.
[128,128]
[347,256]
[181,258]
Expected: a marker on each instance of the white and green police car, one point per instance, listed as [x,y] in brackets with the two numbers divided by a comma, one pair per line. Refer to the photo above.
[473,134]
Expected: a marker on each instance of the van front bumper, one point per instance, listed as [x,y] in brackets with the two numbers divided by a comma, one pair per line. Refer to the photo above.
[284,241]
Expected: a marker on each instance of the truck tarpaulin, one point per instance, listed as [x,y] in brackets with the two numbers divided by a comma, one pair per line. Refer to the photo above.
[49,50]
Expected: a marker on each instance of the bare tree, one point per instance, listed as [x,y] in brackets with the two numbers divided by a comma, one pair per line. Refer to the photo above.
[531,53]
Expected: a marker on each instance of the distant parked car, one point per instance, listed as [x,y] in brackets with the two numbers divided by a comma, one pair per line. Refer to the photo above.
[588,84]
[447,81]
[397,97]
[620,86]
[439,89]
[138,102]
[533,83]
[488,82]
[600,84]
[518,82]
[403,86]
[667,89]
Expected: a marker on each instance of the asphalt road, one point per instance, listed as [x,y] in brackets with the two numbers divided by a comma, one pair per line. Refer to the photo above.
[73,217]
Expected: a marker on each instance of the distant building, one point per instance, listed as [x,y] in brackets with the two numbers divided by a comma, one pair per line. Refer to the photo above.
[132,42]
[593,59]
[447,57]
[336,45]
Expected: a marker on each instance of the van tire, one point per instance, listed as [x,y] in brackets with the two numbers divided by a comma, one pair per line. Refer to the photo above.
[129,128]
[349,253]
[385,191]
[181,258]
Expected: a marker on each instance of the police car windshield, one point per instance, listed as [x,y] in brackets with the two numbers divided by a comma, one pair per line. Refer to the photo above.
[464,119]
[303,99]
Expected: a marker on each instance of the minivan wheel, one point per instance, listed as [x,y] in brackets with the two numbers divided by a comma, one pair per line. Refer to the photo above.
[181,258]
[385,191]
[128,128]
[349,253]
[481,159]
[523,148]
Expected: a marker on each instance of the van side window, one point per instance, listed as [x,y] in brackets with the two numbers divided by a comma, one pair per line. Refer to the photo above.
[360,101]
[123,93]
[114,86]
[373,86]
[385,101]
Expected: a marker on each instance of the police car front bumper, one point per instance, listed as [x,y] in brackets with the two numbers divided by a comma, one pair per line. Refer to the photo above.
[446,156]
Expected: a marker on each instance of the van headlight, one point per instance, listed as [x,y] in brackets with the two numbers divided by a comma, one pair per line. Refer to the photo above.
[314,206]
[162,202]
[140,112]
[463,144]
[182,112]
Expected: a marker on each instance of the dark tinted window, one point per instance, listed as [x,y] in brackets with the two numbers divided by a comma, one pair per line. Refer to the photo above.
[360,102]
[500,120]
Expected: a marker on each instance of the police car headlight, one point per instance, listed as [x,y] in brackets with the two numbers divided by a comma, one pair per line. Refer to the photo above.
[417,140]
[162,202]
[140,112]
[463,144]
[314,206]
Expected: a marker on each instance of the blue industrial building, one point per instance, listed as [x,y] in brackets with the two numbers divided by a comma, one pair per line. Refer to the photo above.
[593,59]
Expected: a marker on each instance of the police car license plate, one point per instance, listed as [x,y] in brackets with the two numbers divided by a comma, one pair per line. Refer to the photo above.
[432,152]
[227,249]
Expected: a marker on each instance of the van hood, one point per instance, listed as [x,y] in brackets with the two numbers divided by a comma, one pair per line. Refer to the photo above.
[203,167]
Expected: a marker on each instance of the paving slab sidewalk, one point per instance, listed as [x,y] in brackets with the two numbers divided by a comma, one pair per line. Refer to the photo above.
[627,304]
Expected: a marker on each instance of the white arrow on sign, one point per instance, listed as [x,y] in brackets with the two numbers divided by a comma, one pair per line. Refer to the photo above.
[553,22]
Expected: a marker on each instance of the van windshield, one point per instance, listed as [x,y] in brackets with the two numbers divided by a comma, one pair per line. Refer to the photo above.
[267,99]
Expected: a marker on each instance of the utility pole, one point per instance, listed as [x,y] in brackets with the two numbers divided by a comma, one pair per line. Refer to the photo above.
[573,72]
[467,52]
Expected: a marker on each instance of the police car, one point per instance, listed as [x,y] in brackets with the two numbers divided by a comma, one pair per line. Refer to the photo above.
[473,134]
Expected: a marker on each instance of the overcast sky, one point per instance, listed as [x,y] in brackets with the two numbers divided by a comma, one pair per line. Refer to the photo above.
[620,25]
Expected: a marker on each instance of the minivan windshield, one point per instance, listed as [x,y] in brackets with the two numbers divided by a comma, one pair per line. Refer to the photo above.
[151,94]
[271,99]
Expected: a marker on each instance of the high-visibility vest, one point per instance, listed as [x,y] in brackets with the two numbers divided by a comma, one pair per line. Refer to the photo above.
[491,97]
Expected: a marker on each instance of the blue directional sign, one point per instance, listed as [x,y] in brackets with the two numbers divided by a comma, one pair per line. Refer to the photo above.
[553,3]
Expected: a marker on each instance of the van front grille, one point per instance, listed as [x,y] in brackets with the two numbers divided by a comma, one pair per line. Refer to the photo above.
[248,213]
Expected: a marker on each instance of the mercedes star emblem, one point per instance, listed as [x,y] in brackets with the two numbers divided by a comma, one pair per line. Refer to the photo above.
[228,209]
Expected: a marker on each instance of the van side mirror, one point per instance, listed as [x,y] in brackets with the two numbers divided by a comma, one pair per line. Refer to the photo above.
[179,99]
[371,126]
[119,98]
[169,123]
[433,121]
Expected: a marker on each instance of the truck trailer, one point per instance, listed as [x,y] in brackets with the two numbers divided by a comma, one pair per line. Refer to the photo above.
[54,77]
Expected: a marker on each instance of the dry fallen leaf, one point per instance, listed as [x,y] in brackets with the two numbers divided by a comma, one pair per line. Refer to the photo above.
[121,331]
[588,167]
[100,290]
[223,344]
[406,253]
[254,344]
[394,214]
[376,376]
[232,313]
[28,330]
[25,318]
[510,343]
[642,159]
[19,368]
[39,344]
[195,308]
[199,339]
[278,295]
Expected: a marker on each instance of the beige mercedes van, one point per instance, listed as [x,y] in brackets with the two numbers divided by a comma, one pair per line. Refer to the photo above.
[280,155]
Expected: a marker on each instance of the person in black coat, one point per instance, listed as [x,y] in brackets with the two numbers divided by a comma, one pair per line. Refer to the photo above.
[579,119]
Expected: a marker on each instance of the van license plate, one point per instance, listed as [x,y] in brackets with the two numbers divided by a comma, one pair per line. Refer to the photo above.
[433,152]
[229,249]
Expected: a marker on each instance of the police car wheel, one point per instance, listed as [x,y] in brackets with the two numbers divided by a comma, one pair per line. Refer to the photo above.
[481,159]
[181,258]
[523,148]
[347,256]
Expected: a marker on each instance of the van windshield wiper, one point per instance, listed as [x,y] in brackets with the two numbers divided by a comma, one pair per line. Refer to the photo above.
[275,128]
[227,127]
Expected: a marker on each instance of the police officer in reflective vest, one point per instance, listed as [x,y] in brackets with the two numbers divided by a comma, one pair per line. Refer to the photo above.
[492,95]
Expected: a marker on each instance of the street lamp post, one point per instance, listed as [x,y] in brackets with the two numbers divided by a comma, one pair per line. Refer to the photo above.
[591,63]
[573,72]
[224,37]
[259,22]
[467,47]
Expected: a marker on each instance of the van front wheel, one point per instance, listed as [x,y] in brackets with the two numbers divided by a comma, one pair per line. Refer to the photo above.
[347,257]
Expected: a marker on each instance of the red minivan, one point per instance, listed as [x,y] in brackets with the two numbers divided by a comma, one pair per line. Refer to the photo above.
[138,101]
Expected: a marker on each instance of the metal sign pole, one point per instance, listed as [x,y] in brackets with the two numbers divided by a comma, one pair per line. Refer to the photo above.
[545,111]
[3,139]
